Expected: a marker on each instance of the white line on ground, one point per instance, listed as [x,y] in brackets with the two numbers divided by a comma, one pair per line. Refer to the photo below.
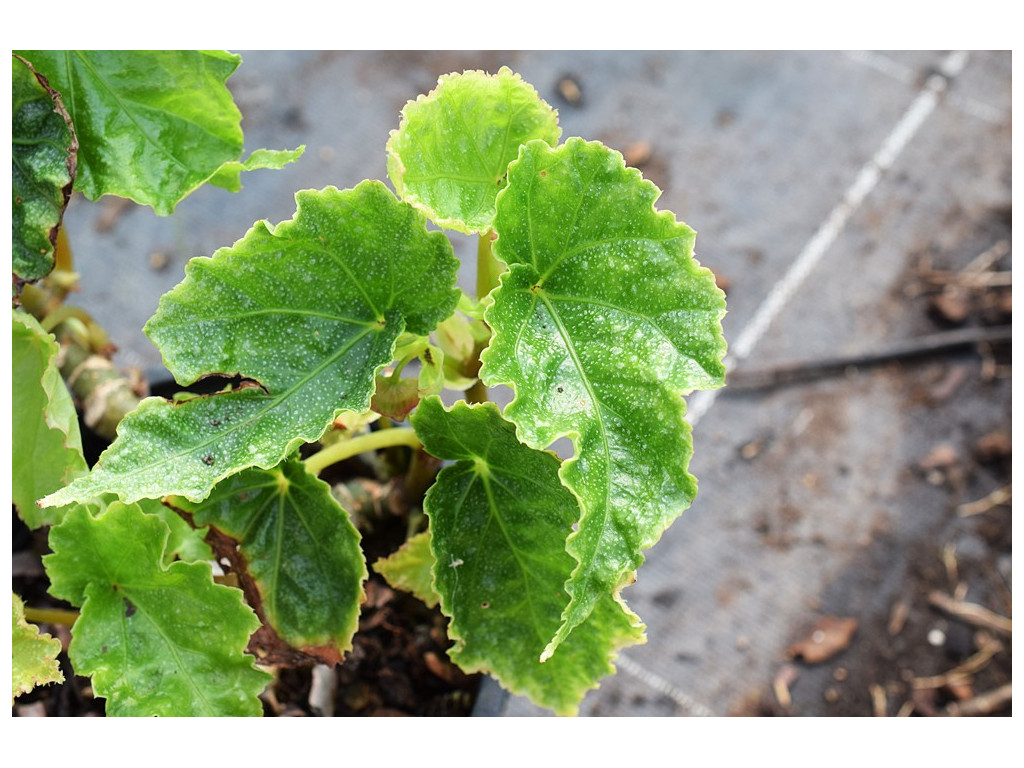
[688,703]
[865,181]
[904,74]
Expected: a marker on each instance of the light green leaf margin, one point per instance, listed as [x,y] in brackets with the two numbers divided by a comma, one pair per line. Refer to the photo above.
[33,655]
[450,153]
[299,547]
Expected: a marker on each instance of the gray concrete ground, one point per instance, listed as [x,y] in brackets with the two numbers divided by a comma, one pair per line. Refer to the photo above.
[815,182]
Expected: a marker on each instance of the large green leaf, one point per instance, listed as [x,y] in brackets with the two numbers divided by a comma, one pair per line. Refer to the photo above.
[450,153]
[602,323]
[153,125]
[33,655]
[310,309]
[47,450]
[499,518]
[300,549]
[43,165]
[156,639]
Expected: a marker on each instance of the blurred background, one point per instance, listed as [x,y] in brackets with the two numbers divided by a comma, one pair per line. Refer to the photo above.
[849,552]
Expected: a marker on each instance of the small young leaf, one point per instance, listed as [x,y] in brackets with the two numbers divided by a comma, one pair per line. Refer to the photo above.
[34,655]
[153,125]
[602,323]
[156,639]
[450,154]
[499,518]
[43,162]
[310,309]
[411,568]
[301,550]
[228,176]
[48,445]
[394,398]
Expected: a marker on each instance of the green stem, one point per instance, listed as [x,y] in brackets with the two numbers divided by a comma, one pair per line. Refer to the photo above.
[372,441]
[50,616]
[487,267]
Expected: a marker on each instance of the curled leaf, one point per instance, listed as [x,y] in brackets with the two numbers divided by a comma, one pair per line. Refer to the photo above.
[153,125]
[44,422]
[43,166]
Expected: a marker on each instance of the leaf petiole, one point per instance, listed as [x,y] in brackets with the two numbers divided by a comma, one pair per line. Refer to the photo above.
[488,268]
[50,616]
[372,441]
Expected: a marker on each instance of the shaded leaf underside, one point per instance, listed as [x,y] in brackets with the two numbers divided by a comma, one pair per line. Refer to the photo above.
[602,323]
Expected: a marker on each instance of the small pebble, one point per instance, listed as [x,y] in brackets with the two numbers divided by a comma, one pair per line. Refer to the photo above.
[158,261]
[569,89]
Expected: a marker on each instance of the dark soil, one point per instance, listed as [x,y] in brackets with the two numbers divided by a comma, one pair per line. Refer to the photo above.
[913,652]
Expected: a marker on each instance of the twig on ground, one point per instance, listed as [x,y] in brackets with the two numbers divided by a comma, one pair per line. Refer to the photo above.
[962,672]
[972,613]
[879,703]
[997,498]
[982,704]
[932,344]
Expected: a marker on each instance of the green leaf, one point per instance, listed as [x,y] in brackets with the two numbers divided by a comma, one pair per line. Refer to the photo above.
[185,542]
[48,444]
[451,151]
[411,568]
[602,323]
[499,518]
[156,639]
[153,125]
[43,165]
[300,548]
[310,309]
[228,176]
[34,655]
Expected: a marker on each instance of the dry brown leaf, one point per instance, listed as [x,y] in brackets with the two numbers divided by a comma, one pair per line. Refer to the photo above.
[828,637]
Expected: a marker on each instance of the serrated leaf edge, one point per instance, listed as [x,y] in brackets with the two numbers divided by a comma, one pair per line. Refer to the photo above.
[396,168]
[627,578]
